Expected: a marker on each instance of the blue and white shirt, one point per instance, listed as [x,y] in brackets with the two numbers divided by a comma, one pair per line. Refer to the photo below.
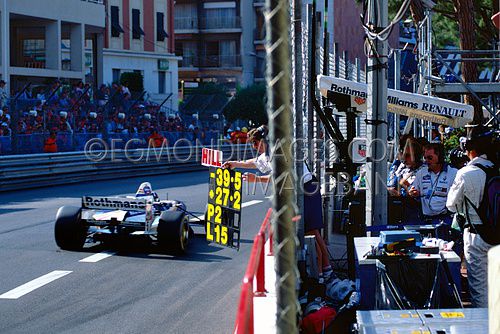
[434,188]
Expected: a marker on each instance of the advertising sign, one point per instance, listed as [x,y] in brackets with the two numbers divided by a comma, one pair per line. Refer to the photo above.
[427,108]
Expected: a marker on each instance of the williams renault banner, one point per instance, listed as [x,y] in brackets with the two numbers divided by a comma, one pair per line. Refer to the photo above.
[427,108]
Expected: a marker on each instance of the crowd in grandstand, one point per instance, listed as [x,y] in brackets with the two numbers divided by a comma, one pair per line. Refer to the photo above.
[78,109]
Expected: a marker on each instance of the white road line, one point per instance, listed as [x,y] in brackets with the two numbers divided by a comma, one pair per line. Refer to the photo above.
[252,202]
[197,219]
[34,284]
[97,257]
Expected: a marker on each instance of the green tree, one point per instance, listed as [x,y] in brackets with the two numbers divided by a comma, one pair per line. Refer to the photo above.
[248,104]
[463,23]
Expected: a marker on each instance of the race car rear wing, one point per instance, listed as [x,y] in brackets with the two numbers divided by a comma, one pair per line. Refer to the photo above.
[116,203]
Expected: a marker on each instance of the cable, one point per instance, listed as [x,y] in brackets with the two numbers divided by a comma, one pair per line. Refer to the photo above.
[385,33]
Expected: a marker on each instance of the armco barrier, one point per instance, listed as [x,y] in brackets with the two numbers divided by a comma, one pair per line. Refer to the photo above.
[39,170]
[255,270]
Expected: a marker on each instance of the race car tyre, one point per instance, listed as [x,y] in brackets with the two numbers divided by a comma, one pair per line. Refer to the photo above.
[70,231]
[173,232]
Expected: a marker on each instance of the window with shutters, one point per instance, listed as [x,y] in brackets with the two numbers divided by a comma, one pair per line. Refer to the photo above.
[116,29]
[137,31]
[161,34]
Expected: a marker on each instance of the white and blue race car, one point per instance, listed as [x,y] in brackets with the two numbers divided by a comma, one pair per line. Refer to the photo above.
[162,221]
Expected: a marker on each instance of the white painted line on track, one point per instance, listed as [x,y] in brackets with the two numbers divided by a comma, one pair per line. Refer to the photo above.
[197,219]
[97,257]
[34,284]
[252,202]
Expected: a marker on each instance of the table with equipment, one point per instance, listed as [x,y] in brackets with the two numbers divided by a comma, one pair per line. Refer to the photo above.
[366,267]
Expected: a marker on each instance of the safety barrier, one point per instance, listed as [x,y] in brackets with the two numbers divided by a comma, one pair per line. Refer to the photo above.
[255,270]
[39,170]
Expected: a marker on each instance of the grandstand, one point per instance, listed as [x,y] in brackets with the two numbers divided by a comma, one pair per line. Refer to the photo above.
[78,113]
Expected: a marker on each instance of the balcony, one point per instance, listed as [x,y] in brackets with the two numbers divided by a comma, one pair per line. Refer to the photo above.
[186,23]
[225,61]
[189,61]
[221,23]
[221,61]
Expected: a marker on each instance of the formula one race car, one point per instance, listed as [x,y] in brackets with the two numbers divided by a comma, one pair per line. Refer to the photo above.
[163,221]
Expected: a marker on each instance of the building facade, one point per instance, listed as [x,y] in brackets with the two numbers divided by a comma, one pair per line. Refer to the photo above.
[216,41]
[32,35]
[139,37]
[223,41]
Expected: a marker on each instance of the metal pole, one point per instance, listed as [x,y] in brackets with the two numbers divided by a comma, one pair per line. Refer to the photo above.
[281,131]
[311,59]
[429,64]
[376,153]
[299,116]
[397,86]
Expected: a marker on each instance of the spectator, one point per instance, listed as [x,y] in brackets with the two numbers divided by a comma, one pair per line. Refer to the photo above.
[124,89]
[102,95]
[26,94]
[64,100]
[3,94]
[156,139]
[238,137]
[404,176]
[50,145]
[469,184]
[5,130]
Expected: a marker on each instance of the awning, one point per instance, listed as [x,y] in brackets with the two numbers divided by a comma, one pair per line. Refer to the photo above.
[423,107]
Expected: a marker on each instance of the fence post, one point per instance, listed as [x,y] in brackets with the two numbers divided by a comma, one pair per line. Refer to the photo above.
[261,290]
[270,233]
[251,320]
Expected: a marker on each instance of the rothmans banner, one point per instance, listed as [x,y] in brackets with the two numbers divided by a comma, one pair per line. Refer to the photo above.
[423,107]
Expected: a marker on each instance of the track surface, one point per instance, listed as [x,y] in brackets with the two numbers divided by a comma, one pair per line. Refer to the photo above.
[126,288]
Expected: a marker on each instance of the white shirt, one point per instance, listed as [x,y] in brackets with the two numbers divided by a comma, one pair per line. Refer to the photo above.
[468,182]
[434,189]
[264,166]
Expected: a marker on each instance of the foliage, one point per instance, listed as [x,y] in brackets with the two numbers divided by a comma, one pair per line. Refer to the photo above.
[445,24]
[248,104]
[133,80]
[453,141]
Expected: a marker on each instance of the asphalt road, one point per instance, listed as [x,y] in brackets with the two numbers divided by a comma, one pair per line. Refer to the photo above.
[135,290]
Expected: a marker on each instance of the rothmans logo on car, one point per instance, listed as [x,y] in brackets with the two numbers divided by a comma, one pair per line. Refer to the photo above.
[113,203]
